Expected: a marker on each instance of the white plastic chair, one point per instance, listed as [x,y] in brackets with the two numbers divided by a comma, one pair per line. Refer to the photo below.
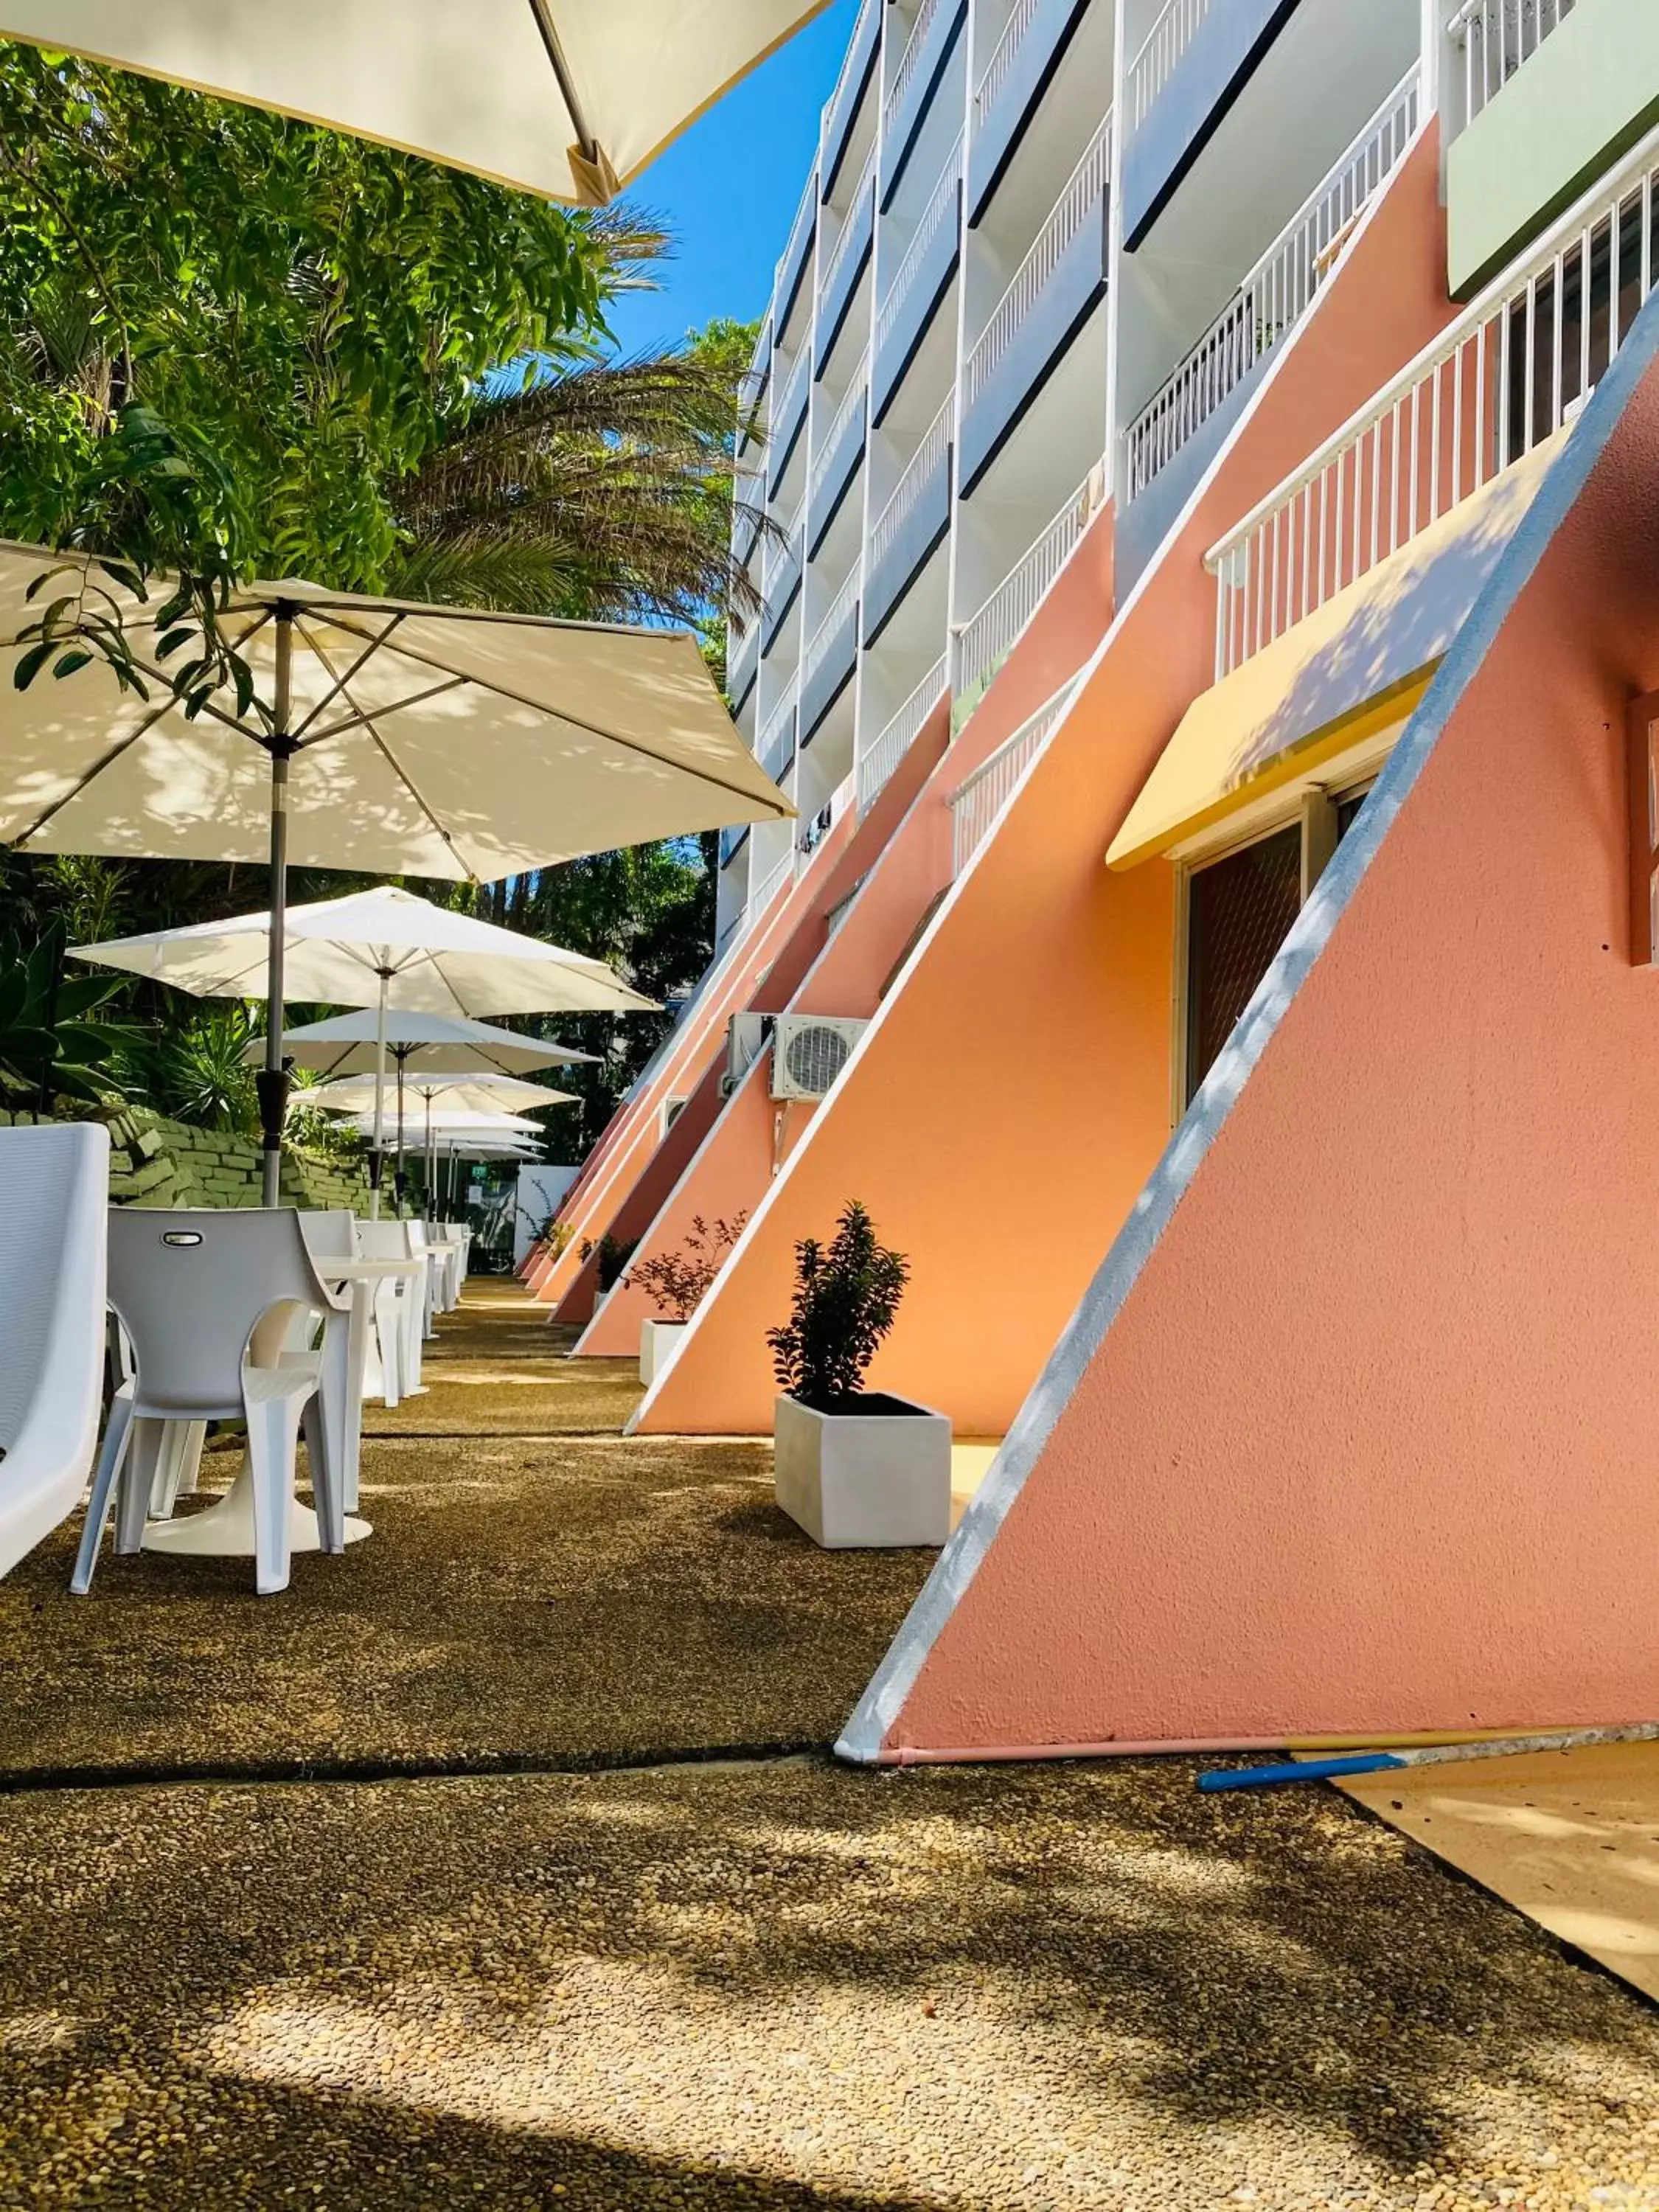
[206,1298]
[392,1240]
[332,1236]
[54,1195]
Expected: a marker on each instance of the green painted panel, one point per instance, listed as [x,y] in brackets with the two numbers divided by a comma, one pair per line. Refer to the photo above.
[1586,95]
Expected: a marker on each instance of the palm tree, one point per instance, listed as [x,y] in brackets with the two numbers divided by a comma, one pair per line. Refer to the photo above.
[599,488]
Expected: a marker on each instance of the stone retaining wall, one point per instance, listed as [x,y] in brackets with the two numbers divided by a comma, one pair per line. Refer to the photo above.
[156,1161]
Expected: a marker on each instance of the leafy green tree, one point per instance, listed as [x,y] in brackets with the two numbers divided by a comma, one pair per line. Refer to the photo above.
[289,359]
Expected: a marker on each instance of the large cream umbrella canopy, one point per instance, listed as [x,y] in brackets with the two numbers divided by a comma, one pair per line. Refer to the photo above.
[570,99]
[381,735]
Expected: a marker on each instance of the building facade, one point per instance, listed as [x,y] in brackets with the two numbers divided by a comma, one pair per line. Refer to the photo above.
[1175,428]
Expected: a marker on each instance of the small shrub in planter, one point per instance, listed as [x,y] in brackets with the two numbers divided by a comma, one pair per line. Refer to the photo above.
[855,1467]
[676,1284]
[613,1263]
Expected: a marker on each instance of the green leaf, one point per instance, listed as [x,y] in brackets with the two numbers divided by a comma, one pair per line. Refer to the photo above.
[71,662]
[31,663]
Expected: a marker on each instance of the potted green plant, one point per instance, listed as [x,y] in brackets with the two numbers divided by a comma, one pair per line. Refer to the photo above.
[675,1282]
[613,1259]
[855,1468]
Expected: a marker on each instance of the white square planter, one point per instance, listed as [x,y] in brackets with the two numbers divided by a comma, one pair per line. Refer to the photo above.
[857,1480]
[657,1340]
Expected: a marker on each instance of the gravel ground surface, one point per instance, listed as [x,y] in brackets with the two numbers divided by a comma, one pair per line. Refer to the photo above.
[1054,1989]
[703,1985]
[558,1601]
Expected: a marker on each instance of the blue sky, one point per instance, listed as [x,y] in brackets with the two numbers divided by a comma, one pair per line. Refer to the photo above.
[728,190]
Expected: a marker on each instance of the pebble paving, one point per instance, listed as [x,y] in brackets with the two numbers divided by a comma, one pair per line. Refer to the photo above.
[753,1981]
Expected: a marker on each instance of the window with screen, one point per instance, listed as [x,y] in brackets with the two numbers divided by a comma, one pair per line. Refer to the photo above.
[1239,911]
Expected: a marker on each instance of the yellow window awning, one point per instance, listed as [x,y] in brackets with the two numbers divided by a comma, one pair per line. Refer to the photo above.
[1350,668]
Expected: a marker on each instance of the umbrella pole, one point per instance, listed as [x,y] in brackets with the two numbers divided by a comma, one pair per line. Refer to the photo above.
[398,1187]
[271,1082]
[431,1158]
[377,1156]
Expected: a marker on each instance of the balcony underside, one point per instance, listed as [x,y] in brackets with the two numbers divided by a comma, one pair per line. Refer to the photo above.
[788,437]
[905,127]
[860,67]
[903,342]
[997,138]
[833,307]
[924,529]
[831,677]
[1226,49]
[824,501]
[1074,291]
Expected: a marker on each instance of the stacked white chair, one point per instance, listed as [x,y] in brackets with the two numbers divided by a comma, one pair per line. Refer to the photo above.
[394,1240]
[54,1196]
[207,1299]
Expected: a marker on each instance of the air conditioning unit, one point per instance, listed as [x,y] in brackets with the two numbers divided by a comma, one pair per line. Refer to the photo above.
[809,1051]
[745,1041]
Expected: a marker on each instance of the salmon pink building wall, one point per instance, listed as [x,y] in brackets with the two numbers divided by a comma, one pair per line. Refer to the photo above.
[692,1052]
[743,1143]
[1357,1429]
[1004,1111]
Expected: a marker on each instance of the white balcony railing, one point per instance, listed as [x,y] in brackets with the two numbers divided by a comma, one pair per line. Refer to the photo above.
[979,798]
[944,206]
[980,643]
[1496,36]
[1276,293]
[850,409]
[832,106]
[917,471]
[829,629]
[1081,200]
[995,75]
[776,742]
[857,228]
[763,893]
[787,551]
[1516,364]
[1154,65]
[788,400]
[805,216]
[909,62]
[743,649]
[877,762]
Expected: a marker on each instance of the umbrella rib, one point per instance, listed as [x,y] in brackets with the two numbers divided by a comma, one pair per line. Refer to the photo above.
[584,139]
[340,682]
[393,763]
[357,719]
[105,759]
[593,729]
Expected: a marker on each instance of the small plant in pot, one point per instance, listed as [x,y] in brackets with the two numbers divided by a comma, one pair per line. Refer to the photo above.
[676,1284]
[613,1259]
[855,1468]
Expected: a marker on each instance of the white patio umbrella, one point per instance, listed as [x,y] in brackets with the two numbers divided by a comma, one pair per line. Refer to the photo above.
[443,1094]
[488,1093]
[567,98]
[444,1044]
[367,947]
[382,735]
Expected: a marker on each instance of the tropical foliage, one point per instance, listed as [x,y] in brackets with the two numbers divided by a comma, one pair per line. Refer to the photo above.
[52,1039]
[678,1282]
[232,344]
